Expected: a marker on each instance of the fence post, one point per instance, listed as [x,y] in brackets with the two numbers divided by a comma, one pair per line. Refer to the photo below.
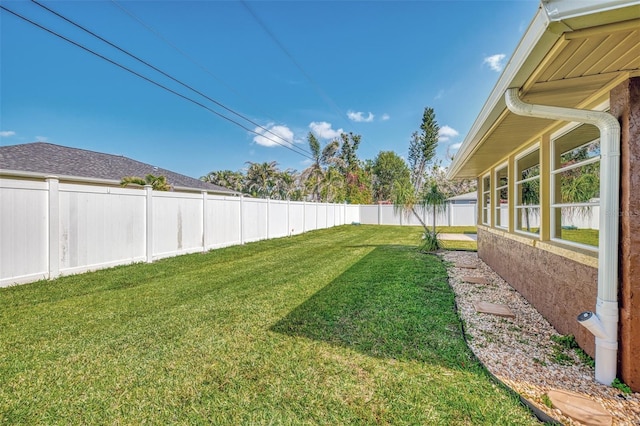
[289,217]
[326,215]
[241,219]
[205,223]
[304,216]
[267,215]
[344,213]
[149,219]
[317,213]
[54,226]
[379,214]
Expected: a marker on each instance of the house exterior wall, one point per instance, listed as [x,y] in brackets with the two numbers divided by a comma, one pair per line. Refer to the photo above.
[625,105]
[561,281]
[559,287]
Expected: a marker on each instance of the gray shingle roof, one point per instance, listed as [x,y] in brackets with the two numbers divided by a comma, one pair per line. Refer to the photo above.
[41,157]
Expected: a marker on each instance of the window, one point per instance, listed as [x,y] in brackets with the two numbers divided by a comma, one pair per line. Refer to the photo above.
[502,198]
[575,184]
[527,204]
[486,200]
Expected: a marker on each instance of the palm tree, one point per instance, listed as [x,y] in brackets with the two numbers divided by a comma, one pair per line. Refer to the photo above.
[286,185]
[333,185]
[226,178]
[260,178]
[158,183]
[435,199]
[314,175]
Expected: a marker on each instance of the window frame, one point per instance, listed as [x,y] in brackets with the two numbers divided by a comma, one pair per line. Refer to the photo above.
[498,207]
[554,172]
[518,206]
[485,218]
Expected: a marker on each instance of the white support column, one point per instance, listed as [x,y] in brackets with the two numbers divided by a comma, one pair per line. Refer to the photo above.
[54,226]
[149,228]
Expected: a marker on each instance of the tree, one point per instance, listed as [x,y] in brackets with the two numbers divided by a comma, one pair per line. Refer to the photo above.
[158,183]
[348,148]
[333,185]
[314,175]
[422,150]
[449,187]
[436,199]
[227,179]
[287,186]
[388,169]
[260,178]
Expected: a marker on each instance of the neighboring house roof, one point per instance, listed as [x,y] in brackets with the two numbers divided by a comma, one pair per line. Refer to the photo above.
[571,55]
[47,158]
[469,196]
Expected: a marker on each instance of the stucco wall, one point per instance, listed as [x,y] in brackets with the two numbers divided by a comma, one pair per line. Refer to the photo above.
[558,287]
[625,105]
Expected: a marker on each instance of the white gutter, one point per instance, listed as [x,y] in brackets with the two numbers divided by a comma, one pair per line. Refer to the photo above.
[604,323]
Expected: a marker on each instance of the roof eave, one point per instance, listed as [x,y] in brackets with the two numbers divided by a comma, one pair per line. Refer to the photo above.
[542,34]
[536,42]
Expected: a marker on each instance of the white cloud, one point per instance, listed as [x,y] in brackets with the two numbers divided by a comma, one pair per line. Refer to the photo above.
[446,133]
[455,146]
[7,133]
[359,117]
[495,62]
[275,136]
[323,130]
[385,117]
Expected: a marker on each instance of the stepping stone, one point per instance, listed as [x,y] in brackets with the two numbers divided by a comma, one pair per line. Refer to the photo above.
[476,280]
[493,309]
[579,408]
[466,266]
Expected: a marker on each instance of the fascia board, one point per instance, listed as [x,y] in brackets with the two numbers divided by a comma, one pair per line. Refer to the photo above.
[558,10]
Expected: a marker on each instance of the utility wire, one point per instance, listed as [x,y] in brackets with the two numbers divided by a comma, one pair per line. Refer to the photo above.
[187,56]
[2,7]
[282,47]
[131,55]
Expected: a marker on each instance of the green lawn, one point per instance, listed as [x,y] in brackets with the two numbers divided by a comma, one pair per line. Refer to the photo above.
[343,326]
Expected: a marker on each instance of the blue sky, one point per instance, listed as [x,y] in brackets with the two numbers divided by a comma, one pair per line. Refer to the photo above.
[291,67]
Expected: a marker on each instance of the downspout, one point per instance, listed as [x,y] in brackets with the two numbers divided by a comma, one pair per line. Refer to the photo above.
[604,323]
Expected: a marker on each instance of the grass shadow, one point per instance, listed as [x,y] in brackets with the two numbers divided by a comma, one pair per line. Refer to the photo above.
[394,303]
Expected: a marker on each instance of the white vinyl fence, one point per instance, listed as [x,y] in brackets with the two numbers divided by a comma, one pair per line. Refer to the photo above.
[50,227]
[452,215]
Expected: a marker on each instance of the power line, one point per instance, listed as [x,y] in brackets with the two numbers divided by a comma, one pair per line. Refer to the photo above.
[304,152]
[2,7]
[187,56]
[282,47]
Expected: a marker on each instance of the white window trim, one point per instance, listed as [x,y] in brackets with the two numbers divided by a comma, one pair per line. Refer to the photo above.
[519,207]
[498,207]
[484,206]
[552,192]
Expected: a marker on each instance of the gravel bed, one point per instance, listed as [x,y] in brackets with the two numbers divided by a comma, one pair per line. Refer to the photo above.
[519,351]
